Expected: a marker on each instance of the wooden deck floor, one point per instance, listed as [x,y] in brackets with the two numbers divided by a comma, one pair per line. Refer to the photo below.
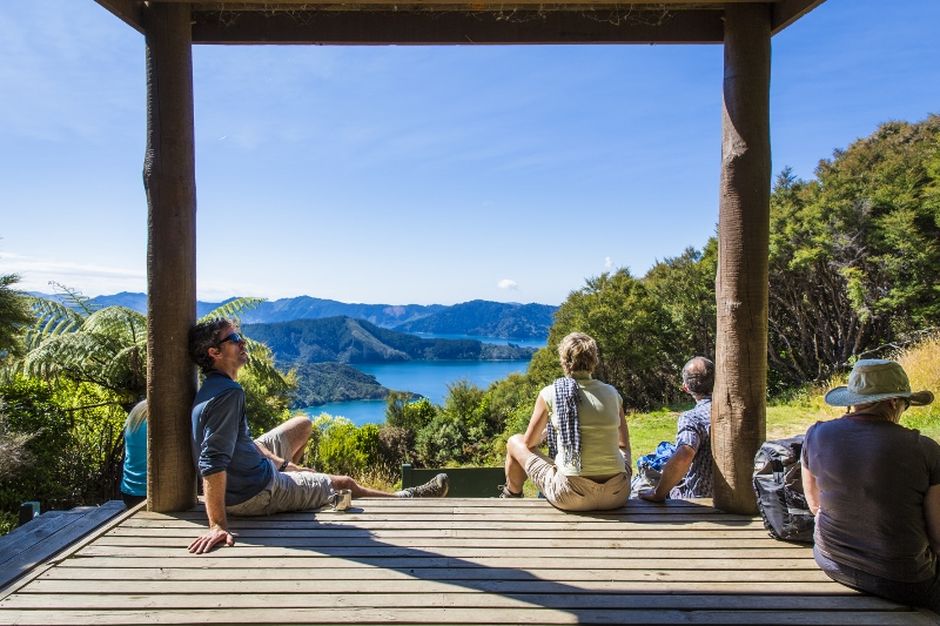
[453,561]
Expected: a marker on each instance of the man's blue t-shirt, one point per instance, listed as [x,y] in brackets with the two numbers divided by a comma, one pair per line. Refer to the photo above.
[221,440]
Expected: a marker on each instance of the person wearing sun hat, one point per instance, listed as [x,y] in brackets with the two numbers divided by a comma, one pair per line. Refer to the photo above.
[874,487]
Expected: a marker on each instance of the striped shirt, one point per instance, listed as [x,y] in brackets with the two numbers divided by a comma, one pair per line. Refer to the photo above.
[693,431]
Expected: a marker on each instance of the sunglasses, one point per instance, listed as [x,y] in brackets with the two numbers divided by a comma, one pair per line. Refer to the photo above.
[234,338]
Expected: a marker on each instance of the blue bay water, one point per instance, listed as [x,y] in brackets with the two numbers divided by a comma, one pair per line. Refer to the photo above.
[426,378]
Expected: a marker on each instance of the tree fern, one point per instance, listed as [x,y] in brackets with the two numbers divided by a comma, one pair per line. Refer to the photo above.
[14,315]
[108,347]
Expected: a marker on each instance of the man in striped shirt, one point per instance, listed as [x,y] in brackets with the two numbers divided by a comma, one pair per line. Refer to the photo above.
[688,473]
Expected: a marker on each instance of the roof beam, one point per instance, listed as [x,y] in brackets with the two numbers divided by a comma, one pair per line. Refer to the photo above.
[458,27]
[441,5]
[785,12]
[129,11]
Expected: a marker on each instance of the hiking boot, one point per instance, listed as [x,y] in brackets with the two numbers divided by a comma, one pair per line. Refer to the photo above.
[505,493]
[434,488]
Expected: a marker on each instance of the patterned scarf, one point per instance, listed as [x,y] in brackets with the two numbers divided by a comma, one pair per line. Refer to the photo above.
[566,408]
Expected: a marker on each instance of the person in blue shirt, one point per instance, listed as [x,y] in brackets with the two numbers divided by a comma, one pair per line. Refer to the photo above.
[134,474]
[242,476]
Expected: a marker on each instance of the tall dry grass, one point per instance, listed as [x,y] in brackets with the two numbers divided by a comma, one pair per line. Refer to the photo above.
[922,364]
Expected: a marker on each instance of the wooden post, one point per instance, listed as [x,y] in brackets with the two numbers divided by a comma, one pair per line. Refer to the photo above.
[170,181]
[739,402]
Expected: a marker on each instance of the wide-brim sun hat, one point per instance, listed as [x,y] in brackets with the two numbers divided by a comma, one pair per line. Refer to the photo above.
[874,380]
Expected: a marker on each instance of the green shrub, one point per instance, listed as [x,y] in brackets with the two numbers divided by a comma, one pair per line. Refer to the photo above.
[46,472]
[341,448]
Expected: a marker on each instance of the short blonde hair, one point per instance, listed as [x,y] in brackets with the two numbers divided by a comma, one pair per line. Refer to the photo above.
[578,352]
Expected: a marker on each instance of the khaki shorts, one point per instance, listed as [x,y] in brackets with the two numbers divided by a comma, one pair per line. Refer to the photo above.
[274,441]
[287,491]
[576,493]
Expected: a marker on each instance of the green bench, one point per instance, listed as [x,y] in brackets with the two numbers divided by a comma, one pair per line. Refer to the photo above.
[464,482]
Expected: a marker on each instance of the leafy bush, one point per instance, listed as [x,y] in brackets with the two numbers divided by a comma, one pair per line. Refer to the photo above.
[403,411]
[396,446]
[48,465]
[342,448]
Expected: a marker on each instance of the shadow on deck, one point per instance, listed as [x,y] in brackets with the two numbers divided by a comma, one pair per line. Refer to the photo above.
[470,561]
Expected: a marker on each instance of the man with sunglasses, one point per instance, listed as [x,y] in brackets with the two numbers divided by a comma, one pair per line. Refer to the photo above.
[242,476]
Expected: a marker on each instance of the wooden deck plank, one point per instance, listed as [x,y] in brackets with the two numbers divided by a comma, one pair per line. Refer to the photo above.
[474,616]
[570,543]
[448,562]
[433,597]
[490,534]
[293,574]
[277,547]
[410,523]
[214,560]
[419,586]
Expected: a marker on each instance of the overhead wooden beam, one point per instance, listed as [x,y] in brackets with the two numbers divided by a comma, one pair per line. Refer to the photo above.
[458,27]
[785,12]
[170,182]
[437,5]
[738,420]
[129,11]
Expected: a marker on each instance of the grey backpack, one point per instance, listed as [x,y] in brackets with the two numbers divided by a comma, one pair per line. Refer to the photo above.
[778,484]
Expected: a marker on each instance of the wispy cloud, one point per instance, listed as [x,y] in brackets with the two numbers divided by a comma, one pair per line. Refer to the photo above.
[608,263]
[36,274]
[508,284]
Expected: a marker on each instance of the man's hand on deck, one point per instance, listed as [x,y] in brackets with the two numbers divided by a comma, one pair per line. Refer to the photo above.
[650,495]
[214,537]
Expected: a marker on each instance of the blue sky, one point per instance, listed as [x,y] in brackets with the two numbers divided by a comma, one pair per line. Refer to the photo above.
[417,174]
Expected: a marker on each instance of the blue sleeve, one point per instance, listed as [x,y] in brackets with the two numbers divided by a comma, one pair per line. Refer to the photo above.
[689,431]
[220,423]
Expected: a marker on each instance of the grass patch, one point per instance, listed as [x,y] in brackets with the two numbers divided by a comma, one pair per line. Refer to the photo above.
[921,364]
[648,429]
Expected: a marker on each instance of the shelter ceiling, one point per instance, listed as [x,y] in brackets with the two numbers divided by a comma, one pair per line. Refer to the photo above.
[364,22]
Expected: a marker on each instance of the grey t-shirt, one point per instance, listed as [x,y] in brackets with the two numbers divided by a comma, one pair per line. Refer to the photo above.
[872,477]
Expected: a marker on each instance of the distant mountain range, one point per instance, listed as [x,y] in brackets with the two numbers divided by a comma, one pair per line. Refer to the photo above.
[347,340]
[476,317]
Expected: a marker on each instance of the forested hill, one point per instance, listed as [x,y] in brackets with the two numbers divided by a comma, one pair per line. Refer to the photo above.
[489,319]
[308,308]
[347,340]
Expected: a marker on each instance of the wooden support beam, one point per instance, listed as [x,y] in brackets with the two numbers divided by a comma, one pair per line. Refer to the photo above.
[785,12]
[129,11]
[170,182]
[270,6]
[739,401]
[459,27]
